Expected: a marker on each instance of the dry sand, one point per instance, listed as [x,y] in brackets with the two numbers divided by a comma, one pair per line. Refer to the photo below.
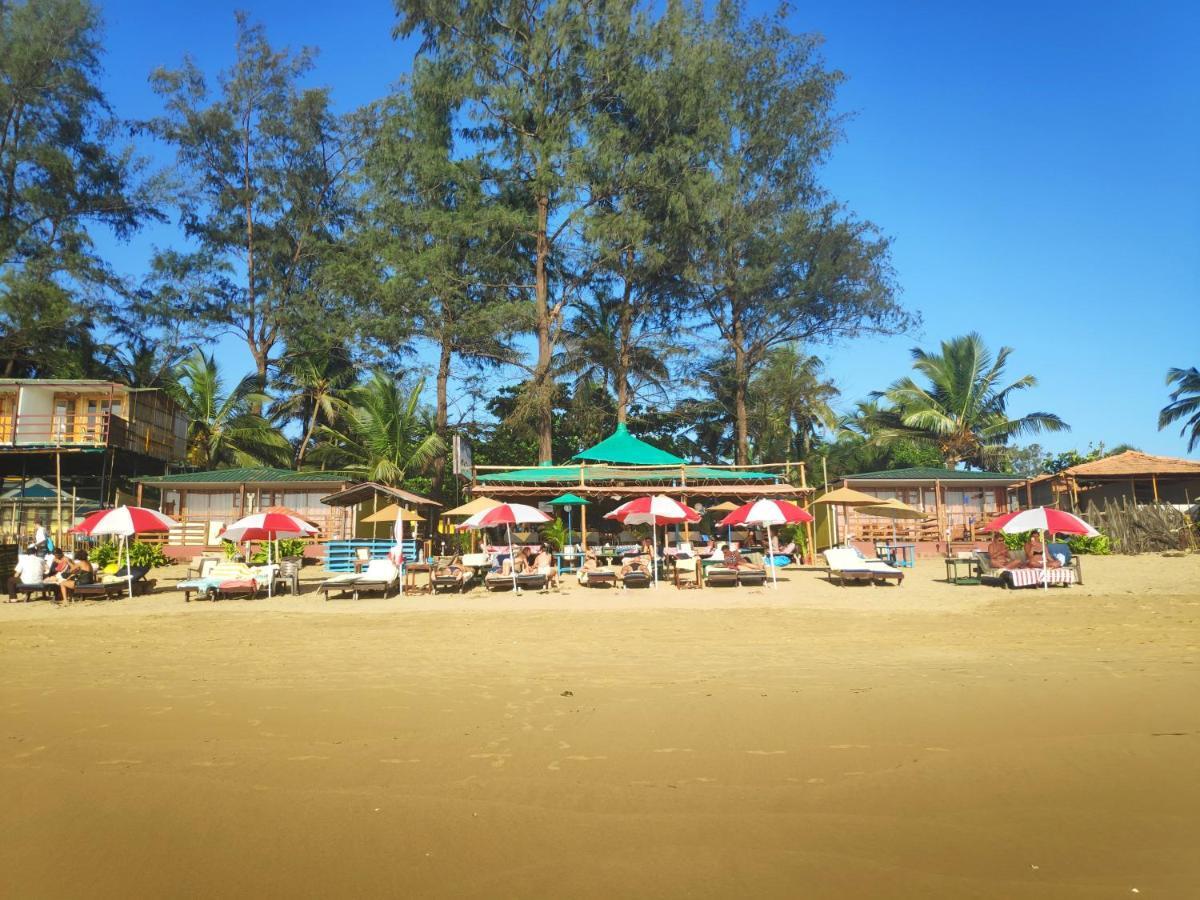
[922,741]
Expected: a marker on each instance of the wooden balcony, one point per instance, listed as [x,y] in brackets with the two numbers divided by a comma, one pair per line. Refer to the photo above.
[101,430]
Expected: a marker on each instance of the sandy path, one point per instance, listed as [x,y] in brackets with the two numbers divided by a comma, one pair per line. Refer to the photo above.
[816,742]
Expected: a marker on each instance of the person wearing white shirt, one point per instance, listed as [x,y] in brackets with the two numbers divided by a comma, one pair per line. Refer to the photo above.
[39,537]
[30,570]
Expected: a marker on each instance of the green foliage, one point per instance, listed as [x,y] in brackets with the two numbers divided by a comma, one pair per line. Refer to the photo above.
[554,534]
[223,428]
[383,433]
[147,555]
[1184,405]
[61,175]
[962,411]
[1100,545]
[105,554]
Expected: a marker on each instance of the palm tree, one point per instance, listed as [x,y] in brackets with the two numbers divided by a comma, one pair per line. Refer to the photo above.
[383,434]
[603,345]
[788,404]
[143,362]
[309,390]
[1185,402]
[222,430]
[963,411]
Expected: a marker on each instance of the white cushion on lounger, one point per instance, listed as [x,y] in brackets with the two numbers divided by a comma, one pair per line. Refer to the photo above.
[381,570]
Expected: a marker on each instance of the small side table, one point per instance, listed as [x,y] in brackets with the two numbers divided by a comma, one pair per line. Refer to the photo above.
[411,571]
[954,565]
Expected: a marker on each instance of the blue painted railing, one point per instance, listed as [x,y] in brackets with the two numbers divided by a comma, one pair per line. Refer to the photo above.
[340,555]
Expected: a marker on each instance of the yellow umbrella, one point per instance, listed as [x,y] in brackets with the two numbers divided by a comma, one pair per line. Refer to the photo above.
[892,509]
[847,497]
[388,514]
[478,505]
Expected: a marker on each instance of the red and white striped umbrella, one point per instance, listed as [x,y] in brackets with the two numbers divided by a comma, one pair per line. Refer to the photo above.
[1052,521]
[768,513]
[85,527]
[267,526]
[508,515]
[657,510]
[126,520]
[505,514]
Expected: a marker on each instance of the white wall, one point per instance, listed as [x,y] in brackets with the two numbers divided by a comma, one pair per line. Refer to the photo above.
[35,401]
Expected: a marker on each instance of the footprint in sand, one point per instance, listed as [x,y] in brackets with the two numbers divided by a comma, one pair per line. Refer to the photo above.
[766,752]
[938,749]
[29,753]
[680,750]
[305,758]
[563,745]
[214,764]
[556,765]
[498,759]
[157,710]
[815,781]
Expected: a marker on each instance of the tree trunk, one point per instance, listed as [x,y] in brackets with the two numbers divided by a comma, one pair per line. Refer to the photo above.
[441,421]
[308,433]
[543,397]
[621,375]
[741,387]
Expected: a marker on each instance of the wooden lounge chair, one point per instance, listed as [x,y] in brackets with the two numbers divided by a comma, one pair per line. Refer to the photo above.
[382,576]
[453,582]
[109,589]
[498,581]
[751,577]
[44,591]
[846,566]
[226,580]
[596,578]
[342,585]
[721,575]
[531,581]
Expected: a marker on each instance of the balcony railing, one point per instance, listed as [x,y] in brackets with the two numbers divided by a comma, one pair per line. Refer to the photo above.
[101,429]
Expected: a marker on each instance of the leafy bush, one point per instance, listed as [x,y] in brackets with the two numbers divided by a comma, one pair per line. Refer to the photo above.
[141,554]
[104,554]
[282,549]
[1100,545]
[554,534]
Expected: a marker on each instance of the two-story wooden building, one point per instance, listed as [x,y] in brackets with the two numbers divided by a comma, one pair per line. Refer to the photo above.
[87,438]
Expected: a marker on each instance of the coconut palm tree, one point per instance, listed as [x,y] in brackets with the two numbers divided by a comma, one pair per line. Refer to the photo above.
[1185,403]
[222,430]
[383,434]
[309,390]
[963,410]
[788,405]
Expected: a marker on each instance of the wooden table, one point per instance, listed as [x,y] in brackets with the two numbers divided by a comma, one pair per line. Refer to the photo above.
[955,563]
[411,571]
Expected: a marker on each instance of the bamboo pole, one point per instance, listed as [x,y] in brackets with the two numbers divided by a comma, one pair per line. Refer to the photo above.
[1154,485]
[58,529]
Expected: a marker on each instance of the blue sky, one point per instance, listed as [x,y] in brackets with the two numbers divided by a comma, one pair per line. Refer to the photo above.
[1034,164]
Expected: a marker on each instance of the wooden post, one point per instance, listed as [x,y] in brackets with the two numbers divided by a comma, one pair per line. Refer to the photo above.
[73,502]
[1154,485]
[58,529]
[583,525]
[939,506]
[139,494]
[1028,495]
[812,543]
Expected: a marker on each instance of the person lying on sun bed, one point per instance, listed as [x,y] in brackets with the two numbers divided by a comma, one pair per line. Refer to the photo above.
[452,569]
[1035,554]
[998,551]
[635,564]
[735,560]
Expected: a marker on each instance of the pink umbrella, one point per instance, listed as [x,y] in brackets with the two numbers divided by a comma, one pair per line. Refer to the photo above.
[267,526]
[508,515]
[125,521]
[85,527]
[768,513]
[657,510]
[1000,521]
[1047,521]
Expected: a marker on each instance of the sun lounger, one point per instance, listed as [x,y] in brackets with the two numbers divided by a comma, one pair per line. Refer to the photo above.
[721,575]
[381,576]
[498,581]
[115,585]
[453,582]
[751,577]
[594,578]
[44,591]
[531,581]
[342,584]
[1072,561]
[846,565]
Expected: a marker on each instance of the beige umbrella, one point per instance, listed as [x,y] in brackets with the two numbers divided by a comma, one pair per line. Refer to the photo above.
[478,505]
[846,497]
[893,509]
[727,506]
[389,512]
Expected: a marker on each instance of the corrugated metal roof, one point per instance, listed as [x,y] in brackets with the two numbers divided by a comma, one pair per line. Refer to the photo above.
[247,476]
[930,473]
[570,475]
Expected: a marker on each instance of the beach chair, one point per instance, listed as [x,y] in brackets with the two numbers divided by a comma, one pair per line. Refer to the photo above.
[114,586]
[498,581]
[453,582]
[605,576]
[721,575]
[231,579]
[751,577]
[1070,560]
[988,572]
[531,581]
[289,573]
[44,591]
[381,575]
[342,585]
[634,578]
[846,566]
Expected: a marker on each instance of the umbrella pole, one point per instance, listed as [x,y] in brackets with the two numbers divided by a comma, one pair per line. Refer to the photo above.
[654,550]
[512,562]
[568,525]
[400,544]
[270,574]
[1045,550]
[128,567]
[771,553]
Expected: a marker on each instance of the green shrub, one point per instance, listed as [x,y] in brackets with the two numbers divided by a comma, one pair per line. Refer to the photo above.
[1100,545]
[104,554]
[145,555]
[281,550]
[554,534]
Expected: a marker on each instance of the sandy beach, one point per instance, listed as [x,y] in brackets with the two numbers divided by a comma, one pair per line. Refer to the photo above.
[814,741]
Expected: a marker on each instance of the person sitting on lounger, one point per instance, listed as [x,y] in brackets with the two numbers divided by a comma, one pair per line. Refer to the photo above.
[81,572]
[590,564]
[998,551]
[1035,554]
[59,565]
[29,570]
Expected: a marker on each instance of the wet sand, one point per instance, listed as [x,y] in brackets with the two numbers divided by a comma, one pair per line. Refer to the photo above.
[814,741]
